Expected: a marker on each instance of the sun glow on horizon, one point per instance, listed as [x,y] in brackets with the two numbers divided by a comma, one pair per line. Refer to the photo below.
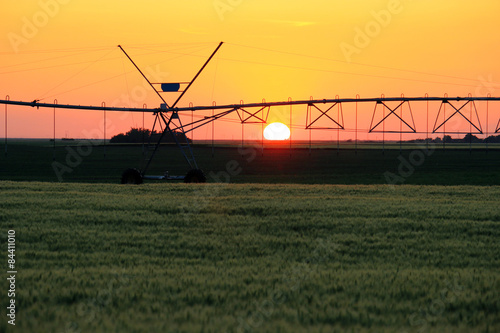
[277,132]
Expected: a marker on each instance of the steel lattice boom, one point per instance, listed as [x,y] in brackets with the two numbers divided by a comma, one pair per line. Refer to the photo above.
[169,120]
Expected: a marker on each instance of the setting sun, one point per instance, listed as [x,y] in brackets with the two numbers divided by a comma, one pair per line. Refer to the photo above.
[277,131]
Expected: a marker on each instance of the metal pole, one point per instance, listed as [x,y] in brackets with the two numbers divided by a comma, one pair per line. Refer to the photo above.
[197,74]
[356,128]
[427,125]
[262,128]
[6,127]
[290,99]
[310,130]
[470,127]
[104,140]
[338,130]
[213,130]
[487,119]
[144,76]
[401,129]
[262,132]
[143,131]
[444,123]
[192,125]
[383,128]
[54,151]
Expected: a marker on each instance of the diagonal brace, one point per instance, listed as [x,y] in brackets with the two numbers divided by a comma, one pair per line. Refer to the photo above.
[392,111]
[206,120]
[253,115]
[480,130]
[323,114]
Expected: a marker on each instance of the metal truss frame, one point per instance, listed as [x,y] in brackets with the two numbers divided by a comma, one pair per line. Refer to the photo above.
[324,113]
[457,111]
[175,130]
[259,120]
[392,111]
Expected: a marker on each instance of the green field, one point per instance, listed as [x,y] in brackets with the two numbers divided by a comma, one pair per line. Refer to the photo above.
[253,257]
[279,240]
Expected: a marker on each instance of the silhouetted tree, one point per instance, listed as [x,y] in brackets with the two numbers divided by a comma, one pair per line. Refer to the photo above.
[447,139]
[493,139]
[471,138]
[139,135]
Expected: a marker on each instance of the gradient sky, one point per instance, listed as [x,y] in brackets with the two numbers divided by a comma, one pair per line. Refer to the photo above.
[67,50]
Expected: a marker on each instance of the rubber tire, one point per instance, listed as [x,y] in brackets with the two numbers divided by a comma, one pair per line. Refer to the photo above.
[195,176]
[132,176]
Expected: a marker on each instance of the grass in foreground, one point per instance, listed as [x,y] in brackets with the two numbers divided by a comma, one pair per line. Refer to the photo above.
[253,258]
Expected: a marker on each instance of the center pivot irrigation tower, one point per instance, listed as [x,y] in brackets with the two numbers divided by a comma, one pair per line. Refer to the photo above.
[168,120]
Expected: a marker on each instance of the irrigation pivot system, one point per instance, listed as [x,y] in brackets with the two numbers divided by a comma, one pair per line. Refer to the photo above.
[167,118]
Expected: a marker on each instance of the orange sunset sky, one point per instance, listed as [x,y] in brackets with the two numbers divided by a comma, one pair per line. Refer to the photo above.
[67,50]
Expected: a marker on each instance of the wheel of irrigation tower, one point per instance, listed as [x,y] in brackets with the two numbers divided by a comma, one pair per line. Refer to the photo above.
[132,176]
[195,176]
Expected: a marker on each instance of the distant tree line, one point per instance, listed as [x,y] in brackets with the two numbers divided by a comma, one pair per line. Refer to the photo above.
[139,135]
[468,138]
